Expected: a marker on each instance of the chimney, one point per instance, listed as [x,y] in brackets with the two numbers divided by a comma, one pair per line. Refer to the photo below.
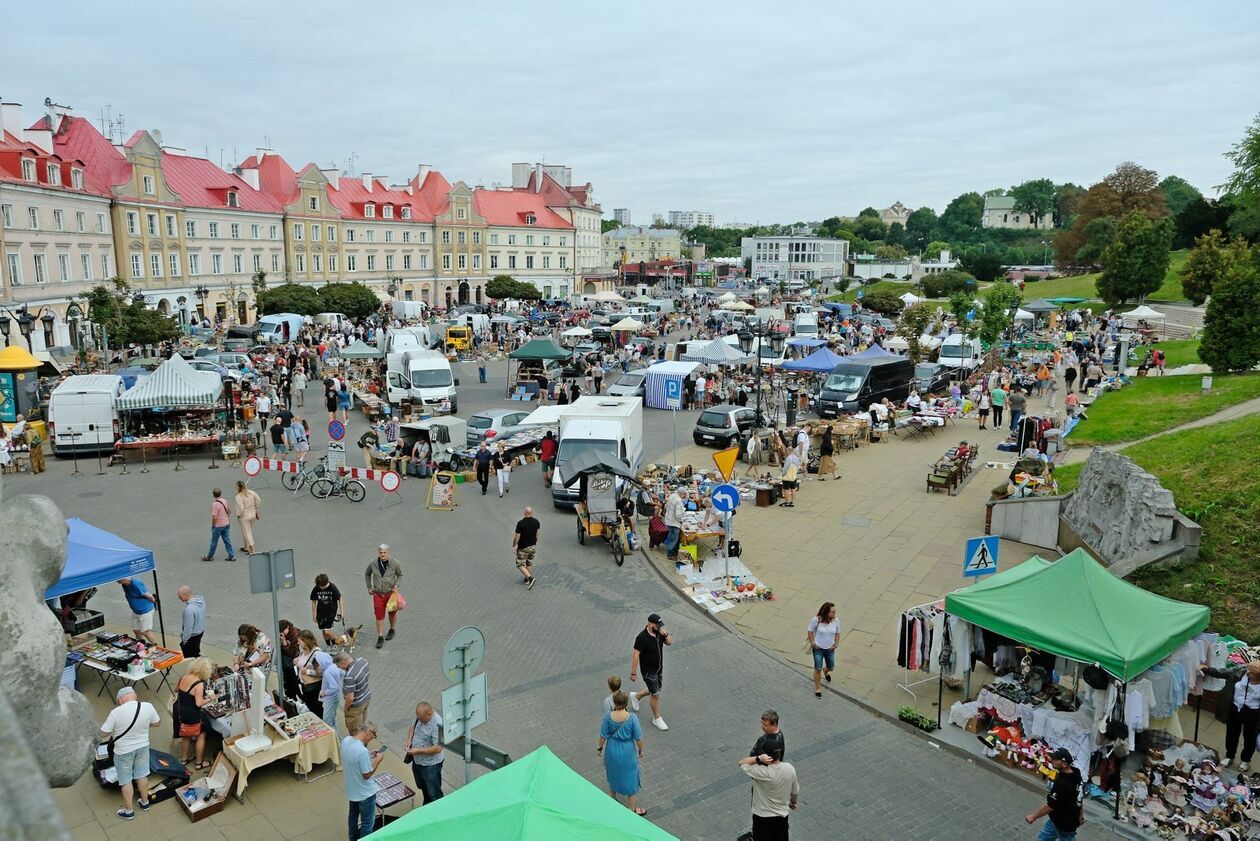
[11,118]
[520,175]
[249,176]
[944,258]
[422,171]
[41,137]
[333,175]
[175,150]
[538,174]
[367,181]
[382,181]
[262,152]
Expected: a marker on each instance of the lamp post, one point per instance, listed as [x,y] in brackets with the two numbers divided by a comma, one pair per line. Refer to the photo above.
[1045,254]
[74,315]
[25,322]
[6,324]
[202,293]
[758,335]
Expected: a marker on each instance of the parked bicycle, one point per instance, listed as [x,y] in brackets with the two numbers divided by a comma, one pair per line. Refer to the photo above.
[296,481]
[338,485]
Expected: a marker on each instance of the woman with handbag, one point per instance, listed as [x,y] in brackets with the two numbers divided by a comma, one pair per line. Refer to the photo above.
[247,511]
[190,696]
[253,650]
[311,663]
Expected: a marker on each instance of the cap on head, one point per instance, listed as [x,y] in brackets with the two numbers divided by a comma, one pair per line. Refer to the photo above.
[1063,755]
[654,619]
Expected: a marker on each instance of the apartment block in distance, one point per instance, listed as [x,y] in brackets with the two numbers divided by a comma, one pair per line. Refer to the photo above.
[788,258]
[689,218]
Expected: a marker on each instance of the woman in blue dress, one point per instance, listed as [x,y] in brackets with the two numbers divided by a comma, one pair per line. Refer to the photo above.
[623,735]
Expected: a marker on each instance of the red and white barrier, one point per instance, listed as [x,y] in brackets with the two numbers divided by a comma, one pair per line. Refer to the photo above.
[389,480]
[255,465]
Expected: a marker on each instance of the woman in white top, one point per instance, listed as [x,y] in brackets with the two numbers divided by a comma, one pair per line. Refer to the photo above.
[824,634]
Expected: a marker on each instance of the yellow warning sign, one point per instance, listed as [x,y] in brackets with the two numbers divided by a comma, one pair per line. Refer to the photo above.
[725,461]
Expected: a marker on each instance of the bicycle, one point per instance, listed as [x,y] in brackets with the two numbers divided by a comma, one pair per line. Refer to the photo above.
[295,481]
[327,486]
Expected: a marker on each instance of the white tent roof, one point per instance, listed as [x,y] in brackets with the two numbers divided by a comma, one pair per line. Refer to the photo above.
[174,384]
[672,368]
[761,290]
[1143,313]
[627,325]
[718,352]
[911,298]
[1023,315]
[606,295]
[543,416]
[737,305]
[727,296]
[577,332]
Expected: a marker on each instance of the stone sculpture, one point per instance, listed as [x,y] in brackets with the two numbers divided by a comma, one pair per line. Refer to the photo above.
[47,733]
[1119,509]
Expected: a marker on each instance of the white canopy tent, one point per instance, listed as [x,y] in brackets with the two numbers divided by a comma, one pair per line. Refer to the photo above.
[718,352]
[1023,315]
[727,296]
[608,296]
[737,305]
[627,325]
[909,298]
[578,332]
[1142,313]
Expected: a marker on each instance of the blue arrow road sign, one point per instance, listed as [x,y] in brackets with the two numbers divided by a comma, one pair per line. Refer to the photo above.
[981,557]
[725,498]
[673,394]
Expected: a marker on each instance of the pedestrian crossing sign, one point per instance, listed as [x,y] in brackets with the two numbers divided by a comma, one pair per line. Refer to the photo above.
[981,557]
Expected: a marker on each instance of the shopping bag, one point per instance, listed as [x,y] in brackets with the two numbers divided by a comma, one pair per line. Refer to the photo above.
[396,602]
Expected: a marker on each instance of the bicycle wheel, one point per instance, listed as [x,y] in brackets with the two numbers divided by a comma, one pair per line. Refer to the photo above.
[293,481]
[322,488]
[619,552]
[355,490]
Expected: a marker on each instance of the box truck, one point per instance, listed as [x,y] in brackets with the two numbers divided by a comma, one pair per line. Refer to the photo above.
[612,426]
[422,376]
[81,414]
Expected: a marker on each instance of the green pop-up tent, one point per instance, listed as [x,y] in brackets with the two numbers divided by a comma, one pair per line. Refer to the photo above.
[540,349]
[1075,608]
[536,798]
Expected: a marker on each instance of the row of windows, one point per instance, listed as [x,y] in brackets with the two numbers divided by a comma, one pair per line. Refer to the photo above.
[190,227]
[53,173]
[194,264]
[64,263]
[59,219]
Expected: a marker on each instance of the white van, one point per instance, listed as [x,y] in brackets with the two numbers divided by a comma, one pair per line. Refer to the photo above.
[957,351]
[279,328]
[333,319]
[424,377]
[806,324]
[610,426]
[81,414]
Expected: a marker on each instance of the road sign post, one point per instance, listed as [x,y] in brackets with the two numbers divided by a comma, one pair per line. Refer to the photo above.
[673,402]
[271,572]
[981,556]
[466,704]
[725,461]
[725,499]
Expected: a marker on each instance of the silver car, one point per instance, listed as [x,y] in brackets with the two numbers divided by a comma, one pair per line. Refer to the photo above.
[628,385]
[491,424]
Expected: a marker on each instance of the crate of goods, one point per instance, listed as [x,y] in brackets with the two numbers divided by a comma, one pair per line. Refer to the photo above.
[208,795]
[81,620]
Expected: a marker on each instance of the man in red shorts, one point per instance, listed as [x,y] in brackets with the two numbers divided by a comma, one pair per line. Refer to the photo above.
[382,577]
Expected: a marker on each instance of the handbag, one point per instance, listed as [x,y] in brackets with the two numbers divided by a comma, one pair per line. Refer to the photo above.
[1095,677]
[408,758]
[109,746]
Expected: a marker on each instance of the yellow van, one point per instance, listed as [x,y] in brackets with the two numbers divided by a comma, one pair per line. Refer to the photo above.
[458,339]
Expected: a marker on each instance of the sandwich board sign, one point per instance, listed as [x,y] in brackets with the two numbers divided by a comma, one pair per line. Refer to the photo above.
[981,556]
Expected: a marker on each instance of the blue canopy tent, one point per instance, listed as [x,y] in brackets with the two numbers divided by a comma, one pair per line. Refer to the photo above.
[95,556]
[820,361]
[873,352]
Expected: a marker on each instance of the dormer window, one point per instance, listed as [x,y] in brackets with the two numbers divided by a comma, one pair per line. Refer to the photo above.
[369,211]
[312,203]
[76,179]
[387,212]
[461,214]
[148,185]
[530,218]
[54,174]
[406,213]
[28,169]
[231,199]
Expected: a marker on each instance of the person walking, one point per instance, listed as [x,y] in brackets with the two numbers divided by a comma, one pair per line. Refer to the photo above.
[310,665]
[481,366]
[675,505]
[327,606]
[598,372]
[1018,403]
[547,449]
[482,461]
[752,453]
[983,406]
[299,386]
[191,694]
[621,744]
[827,456]
[247,505]
[142,604]
[356,691]
[127,728]
[525,545]
[192,623]
[1052,393]
[1063,801]
[262,407]
[330,398]
[774,792]
[382,577]
[791,473]
[359,765]
[649,657]
[345,401]
[824,635]
[424,747]
[34,448]
[997,396]
[330,692]
[1243,698]
[220,526]
[502,465]
[300,434]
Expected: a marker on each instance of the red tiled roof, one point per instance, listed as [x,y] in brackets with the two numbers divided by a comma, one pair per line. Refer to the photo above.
[434,192]
[104,167]
[350,196]
[44,123]
[276,178]
[555,193]
[510,207]
[200,183]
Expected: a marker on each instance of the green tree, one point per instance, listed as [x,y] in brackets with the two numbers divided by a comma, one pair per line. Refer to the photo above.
[891,252]
[869,227]
[948,282]
[829,226]
[107,304]
[259,282]
[884,301]
[504,286]
[1231,325]
[1178,192]
[1036,198]
[290,297]
[1099,234]
[982,264]
[921,225]
[869,211]
[934,248]
[914,323]
[857,245]
[999,303]
[352,299]
[143,326]
[1213,257]
[1200,216]
[961,220]
[606,225]
[1129,188]
[1135,263]
[962,305]
[896,235]
[1066,198]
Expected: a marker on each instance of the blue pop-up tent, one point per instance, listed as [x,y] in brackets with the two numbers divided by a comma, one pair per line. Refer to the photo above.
[95,556]
[820,361]
[872,352]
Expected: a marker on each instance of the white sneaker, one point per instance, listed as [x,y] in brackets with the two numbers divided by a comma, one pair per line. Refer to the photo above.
[1227,761]
[1243,767]
[659,724]
[634,702]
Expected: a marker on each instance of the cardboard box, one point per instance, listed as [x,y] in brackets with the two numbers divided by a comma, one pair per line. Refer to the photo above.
[978,724]
[215,805]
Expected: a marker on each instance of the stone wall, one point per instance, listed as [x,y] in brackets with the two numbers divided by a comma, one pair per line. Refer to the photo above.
[1120,510]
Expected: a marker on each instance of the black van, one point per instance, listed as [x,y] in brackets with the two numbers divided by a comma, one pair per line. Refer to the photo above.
[852,386]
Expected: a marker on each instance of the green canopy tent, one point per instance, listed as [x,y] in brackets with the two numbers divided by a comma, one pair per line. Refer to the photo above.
[1075,608]
[360,350]
[536,798]
[531,356]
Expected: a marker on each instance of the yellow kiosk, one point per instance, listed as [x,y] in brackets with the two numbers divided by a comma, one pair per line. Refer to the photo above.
[19,389]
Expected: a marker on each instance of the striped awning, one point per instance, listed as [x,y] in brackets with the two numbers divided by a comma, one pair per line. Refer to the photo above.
[176,385]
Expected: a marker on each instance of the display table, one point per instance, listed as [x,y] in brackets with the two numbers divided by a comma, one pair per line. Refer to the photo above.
[167,443]
[280,748]
[163,660]
[390,791]
[306,752]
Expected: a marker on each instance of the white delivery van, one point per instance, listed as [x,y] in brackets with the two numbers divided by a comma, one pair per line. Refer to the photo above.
[662,306]
[408,310]
[333,319]
[408,338]
[958,351]
[81,414]
[609,425]
[422,376]
[279,328]
[477,321]
[806,324]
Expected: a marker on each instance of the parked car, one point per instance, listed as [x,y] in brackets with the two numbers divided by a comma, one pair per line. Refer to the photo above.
[722,425]
[931,377]
[204,350]
[631,384]
[490,424]
[224,371]
[237,345]
[231,361]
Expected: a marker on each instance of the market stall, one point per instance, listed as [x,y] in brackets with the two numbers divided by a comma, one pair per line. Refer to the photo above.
[528,361]
[657,375]
[718,352]
[182,405]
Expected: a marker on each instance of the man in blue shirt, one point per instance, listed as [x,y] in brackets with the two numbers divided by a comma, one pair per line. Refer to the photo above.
[142,605]
[359,765]
[330,691]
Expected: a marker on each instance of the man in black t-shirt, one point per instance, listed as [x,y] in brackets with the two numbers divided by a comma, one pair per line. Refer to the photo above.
[326,606]
[286,421]
[1063,802]
[482,460]
[649,657]
[525,545]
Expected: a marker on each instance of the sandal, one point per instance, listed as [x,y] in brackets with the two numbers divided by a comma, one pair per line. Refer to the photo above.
[186,760]
[201,766]
[640,811]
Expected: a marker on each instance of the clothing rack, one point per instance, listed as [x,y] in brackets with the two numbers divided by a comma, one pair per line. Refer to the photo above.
[906,683]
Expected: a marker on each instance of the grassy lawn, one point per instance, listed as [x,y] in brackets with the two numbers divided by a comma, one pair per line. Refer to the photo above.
[1177,353]
[1153,404]
[1082,285]
[850,294]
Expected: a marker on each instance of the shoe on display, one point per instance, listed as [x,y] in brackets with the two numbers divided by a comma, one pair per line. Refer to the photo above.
[634,701]
[390,634]
[380,642]
[659,724]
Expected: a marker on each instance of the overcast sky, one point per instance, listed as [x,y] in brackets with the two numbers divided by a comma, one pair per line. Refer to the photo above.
[773,112]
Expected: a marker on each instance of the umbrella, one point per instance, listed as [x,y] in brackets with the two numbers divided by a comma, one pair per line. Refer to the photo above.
[590,461]
[607,295]
[627,325]
[737,305]
[576,332]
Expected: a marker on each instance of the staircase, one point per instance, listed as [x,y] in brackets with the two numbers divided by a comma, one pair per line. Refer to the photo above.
[1182,321]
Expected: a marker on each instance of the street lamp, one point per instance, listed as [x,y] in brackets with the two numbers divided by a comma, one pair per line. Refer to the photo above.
[202,293]
[5,326]
[48,320]
[751,341]
[1045,254]
[24,320]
